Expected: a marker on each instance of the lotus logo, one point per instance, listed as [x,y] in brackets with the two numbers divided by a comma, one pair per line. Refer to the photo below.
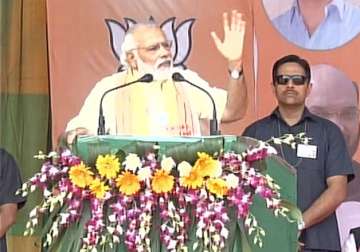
[180,35]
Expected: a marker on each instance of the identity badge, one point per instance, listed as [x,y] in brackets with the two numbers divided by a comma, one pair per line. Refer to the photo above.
[306,151]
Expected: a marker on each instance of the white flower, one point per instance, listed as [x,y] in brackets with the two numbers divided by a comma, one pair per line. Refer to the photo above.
[245,198]
[53,171]
[199,233]
[262,145]
[276,140]
[300,135]
[142,232]
[271,150]
[119,229]
[306,140]
[33,212]
[247,222]
[231,180]
[167,163]
[218,170]
[244,167]
[34,222]
[216,238]
[112,217]
[289,139]
[46,193]
[184,169]
[43,178]
[48,239]
[269,203]
[52,154]
[201,224]
[111,230]
[64,218]
[132,162]
[32,188]
[171,206]
[224,232]
[116,239]
[255,224]
[172,244]
[144,173]
[250,230]
[276,202]
[262,232]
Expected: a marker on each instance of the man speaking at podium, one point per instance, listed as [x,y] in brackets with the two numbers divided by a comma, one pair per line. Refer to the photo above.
[164,106]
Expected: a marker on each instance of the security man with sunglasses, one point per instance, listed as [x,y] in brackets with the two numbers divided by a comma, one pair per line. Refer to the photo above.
[323,166]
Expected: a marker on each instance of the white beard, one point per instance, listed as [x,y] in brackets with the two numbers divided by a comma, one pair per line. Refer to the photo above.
[159,72]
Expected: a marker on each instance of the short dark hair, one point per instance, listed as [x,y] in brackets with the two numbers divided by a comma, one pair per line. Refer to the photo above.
[291,59]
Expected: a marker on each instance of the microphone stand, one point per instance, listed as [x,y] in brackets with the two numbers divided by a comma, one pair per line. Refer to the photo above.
[214,128]
[101,121]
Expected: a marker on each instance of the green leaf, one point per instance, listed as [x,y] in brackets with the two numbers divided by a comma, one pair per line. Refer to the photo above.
[245,244]
[70,240]
[188,151]
[95,149]
[49,219]
[242,144]
[260,165]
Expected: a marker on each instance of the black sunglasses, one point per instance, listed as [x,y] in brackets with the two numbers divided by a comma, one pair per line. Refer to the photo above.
[296,79]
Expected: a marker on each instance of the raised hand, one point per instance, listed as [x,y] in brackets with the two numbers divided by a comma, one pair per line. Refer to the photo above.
[232,45]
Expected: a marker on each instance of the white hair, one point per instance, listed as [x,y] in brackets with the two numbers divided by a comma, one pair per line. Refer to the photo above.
[130,43]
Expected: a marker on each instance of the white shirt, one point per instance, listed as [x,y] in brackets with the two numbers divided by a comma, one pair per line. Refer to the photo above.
[200,104]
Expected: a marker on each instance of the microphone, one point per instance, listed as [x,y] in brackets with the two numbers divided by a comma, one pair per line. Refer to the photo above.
[214,128]
[101,123]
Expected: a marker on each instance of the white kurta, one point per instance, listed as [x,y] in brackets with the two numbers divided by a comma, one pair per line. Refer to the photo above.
[197,101]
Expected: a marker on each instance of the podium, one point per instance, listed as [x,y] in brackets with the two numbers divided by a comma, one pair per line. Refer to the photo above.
[281,235]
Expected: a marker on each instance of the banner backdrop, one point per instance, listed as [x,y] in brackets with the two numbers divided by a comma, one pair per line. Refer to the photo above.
[81,52]
[81,49]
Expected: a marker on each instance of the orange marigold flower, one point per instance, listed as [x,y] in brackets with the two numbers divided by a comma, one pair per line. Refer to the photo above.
[108,166]
[162,181]
[194,180]
[98,188]
[206,165]
[80,175]
[128,183]
[217,186]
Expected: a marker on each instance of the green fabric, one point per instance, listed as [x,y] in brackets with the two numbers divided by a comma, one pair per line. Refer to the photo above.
[24,131]
[280,234]
[24,88]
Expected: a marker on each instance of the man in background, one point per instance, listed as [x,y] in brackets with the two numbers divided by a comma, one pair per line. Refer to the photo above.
[10,181]
[335,97]
[320,24]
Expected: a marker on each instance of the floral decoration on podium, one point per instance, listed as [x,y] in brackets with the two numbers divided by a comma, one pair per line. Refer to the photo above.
[120,198]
